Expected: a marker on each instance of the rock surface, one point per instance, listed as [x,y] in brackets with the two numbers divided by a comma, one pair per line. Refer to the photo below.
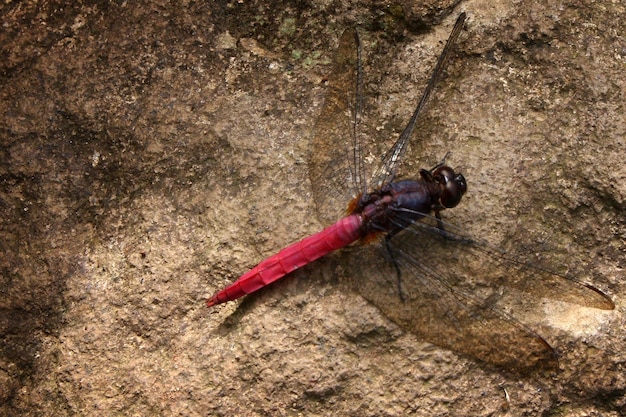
[153,151]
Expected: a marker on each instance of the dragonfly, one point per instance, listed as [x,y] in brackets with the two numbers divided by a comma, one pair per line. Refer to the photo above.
[427,275]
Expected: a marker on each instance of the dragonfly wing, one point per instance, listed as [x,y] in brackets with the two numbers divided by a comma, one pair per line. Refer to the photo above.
[436,311]
[494,268]
[388,168]
[334,156]
[450,289]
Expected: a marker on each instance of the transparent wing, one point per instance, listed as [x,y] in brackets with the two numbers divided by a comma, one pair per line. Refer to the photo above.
[334,160]
[336,163]
[450,288]
[481,262]
[386,172]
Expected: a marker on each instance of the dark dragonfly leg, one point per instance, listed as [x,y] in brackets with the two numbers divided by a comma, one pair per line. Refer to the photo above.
[447,235]
[395,265]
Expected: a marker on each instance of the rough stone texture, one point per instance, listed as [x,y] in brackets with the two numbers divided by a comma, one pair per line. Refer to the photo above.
[153,152]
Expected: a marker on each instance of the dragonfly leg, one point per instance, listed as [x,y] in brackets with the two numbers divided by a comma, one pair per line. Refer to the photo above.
[395,265]
[445,234]
[440,225]
[442,162]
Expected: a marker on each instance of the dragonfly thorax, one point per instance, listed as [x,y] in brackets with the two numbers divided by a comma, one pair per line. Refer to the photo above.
[398,204]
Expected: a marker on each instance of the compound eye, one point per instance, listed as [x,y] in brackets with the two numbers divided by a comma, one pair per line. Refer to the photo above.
[443,171]
[454,186]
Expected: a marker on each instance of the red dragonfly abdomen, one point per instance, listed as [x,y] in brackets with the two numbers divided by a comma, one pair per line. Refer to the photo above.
[294,256]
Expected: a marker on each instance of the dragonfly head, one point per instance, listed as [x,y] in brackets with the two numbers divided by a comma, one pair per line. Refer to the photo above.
[453,185]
